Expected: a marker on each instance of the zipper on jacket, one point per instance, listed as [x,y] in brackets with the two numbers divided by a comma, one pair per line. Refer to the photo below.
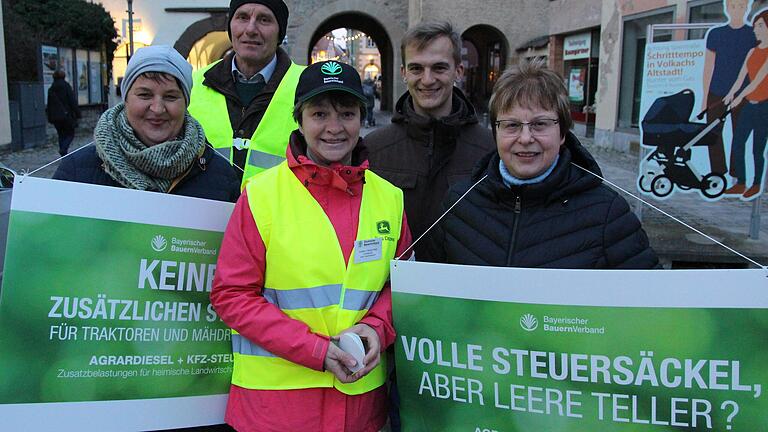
[430,149]
[513,236]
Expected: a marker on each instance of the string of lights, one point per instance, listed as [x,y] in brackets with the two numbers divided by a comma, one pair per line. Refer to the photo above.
[346,38]
[320,58]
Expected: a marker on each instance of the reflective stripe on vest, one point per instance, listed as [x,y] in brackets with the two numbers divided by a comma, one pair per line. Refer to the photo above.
[266,147]
[307,277]
[243,346]
[319,297]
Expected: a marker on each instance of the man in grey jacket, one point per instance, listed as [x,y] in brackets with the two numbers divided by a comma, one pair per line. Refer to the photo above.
[434,139]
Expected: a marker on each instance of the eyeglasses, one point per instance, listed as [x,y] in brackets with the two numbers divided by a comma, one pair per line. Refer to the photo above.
[537,127]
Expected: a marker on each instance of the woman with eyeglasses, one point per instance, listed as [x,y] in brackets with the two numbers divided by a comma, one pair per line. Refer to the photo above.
[537,202]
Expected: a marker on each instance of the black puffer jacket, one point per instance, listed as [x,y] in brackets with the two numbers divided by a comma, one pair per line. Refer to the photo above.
[62,104]
[570,220]
[210,177]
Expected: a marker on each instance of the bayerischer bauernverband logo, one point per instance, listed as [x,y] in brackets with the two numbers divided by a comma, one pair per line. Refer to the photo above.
[159,243]
[529,322]
[331,68]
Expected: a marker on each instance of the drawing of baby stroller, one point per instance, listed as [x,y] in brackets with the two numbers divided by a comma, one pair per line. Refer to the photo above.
[667,128]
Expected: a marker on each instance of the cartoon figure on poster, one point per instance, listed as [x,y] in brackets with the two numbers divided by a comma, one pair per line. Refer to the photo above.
[687,154]
[753,102]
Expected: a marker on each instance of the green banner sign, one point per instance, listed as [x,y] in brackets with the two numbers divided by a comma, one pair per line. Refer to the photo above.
[494,349]
[105,300]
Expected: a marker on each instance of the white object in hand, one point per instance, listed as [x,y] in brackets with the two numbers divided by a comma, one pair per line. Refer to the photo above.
[351,344]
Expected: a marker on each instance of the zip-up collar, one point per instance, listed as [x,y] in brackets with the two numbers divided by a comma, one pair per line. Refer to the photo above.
[219,78]
[565,180]
[420,127]
[348,178]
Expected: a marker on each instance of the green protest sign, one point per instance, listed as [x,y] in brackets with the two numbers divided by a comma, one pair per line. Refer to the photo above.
[497,349]
[105,301]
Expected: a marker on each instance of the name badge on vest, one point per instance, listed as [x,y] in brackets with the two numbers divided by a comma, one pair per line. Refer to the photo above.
[367,250]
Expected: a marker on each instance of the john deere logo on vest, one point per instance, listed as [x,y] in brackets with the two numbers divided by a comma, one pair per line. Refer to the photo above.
[383,227]
[331,68]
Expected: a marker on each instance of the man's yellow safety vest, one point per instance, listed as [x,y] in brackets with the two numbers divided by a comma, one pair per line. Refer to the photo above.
[266,148]
[307,277]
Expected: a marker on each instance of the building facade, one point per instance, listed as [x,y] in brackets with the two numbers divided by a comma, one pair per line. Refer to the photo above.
[597,45]
[198,30]
[367,59]
[623,29]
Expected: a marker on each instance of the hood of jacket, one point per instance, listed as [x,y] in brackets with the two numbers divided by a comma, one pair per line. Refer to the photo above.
[564,181]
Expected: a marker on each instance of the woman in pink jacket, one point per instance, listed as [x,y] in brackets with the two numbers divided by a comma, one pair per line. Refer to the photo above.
[319,216]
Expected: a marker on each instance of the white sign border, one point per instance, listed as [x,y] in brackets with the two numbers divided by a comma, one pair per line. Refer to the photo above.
[723,289]
[116,415]
[118,204]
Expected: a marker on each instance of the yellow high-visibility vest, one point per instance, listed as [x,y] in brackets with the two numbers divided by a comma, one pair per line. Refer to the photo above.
[307,277]
[266,148]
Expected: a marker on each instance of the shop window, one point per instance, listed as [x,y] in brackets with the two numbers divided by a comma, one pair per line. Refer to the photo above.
[580,63]
[633,52]
[709,12]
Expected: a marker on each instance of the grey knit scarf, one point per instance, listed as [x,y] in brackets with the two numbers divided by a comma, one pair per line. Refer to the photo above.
[134,165]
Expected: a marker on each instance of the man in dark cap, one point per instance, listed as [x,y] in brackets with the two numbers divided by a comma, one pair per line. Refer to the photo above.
[245,100]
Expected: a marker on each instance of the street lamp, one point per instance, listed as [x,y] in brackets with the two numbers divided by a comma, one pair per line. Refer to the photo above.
[130,29]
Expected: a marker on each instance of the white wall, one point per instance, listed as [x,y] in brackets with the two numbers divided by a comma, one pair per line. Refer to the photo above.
[5,116]
[158,26]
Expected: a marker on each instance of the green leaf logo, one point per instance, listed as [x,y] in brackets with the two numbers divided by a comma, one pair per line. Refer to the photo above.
[529,322]
[159,243]
[331,68]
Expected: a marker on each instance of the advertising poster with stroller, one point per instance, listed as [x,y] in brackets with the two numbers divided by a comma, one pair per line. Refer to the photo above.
[520,350]
[105,320]
[703,110]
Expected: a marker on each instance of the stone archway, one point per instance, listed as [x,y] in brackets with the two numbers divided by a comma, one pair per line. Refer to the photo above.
[216,22]
[367,17]
[486,49]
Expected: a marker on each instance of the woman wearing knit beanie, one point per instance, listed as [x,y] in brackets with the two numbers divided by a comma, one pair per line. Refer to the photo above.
[149,142]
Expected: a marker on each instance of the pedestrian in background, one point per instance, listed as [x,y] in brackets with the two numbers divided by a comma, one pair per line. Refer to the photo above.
[62,110]
[435,138]
[534,204]
[150,142]
[369,91]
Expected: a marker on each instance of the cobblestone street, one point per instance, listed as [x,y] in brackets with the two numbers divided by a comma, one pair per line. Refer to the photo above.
[28,160]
